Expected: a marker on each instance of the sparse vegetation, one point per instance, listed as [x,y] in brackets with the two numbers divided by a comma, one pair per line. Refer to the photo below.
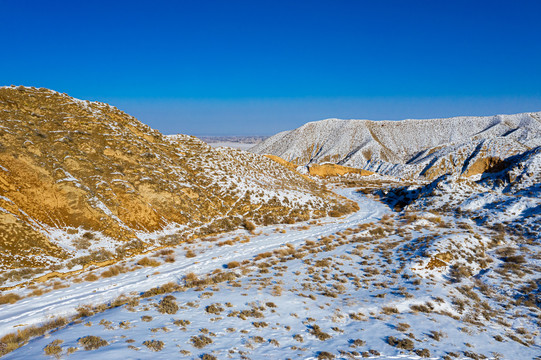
[53,348]
[200,341]
[154,345]
[92,342]
[168,305]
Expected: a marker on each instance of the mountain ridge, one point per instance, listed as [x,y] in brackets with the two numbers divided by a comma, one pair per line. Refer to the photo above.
[405,148]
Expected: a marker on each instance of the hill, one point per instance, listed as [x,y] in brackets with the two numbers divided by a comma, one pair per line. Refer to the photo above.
[82,182]
[410,149]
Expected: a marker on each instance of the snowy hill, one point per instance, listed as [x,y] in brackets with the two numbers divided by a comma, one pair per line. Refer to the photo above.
[409,148]
[83,183]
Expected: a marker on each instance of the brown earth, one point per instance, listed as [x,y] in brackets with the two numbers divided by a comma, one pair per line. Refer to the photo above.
[325,170]
[72,167]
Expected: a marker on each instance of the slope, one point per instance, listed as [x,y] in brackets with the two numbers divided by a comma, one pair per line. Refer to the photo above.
[409,148]
[82,182]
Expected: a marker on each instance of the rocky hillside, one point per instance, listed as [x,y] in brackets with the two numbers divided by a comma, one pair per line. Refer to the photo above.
[411,148]
[83,182]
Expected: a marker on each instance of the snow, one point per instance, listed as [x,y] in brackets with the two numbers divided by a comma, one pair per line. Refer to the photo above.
[359,311]
[405,148]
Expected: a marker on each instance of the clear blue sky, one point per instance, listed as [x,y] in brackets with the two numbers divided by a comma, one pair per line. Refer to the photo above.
[258,67]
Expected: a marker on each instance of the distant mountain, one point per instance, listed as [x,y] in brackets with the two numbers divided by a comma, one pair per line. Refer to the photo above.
[429,148]
[82,182]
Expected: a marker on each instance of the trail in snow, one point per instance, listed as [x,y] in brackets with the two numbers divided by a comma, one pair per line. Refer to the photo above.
[63,302]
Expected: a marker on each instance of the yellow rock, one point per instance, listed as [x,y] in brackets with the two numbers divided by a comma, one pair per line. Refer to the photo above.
[325,170]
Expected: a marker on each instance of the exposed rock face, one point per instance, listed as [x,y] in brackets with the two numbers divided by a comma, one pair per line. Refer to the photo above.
[84,175]
[409,148]
[325,170]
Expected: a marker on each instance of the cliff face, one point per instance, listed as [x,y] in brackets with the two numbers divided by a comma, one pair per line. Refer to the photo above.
[409,148]
[80,177]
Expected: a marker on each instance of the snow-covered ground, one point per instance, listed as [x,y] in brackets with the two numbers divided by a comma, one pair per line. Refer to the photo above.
[235,145]
[353,287]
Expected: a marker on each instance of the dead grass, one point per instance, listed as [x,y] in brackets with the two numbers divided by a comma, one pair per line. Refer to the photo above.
[92,342]
[233,264]
[53,348]
[154,345]
[248,225]
[148,262]
[320,335]
[9,298]
[200,341]
[91,277]
[113,271]
[16,340]
[168,305]
[405,344]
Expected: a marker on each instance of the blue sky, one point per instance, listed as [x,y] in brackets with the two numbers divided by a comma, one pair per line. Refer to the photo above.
[259,67]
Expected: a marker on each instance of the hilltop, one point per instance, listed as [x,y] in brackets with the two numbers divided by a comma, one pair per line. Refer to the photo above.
[410,149]
[82,182]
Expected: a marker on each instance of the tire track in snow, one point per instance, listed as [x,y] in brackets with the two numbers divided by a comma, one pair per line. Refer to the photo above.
[63,302]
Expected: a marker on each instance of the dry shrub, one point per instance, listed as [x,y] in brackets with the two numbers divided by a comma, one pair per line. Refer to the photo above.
[458,272]
[389,310]
[84,311]
[112,271]
[263,255]
[233,264]
[515,259]
[81,243]
[165,288]
[148,262]
[169,259]
[182,322]
[190,254]
[165,252]
[59,285]
[168,305]
[357,342]
[208,357]
[92,342]
[37,292]
[154,345]
[200,341]
[190,278]
[403,327]
[335,213]
[91,277]
[226,242]
[426,308]
[276,290]
[9,298]
[250,226]
[320,335]
[436,335]
[425,353]
[324,355]
[53,348]
[214,309]
[16,340]
[405,344]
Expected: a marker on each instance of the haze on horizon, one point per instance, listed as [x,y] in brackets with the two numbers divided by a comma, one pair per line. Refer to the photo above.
[251,68]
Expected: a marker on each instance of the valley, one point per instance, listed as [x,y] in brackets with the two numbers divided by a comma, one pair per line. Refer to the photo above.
[146,245]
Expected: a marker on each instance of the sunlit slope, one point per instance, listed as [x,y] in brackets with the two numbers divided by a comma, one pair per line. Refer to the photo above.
[79,176]
[410,148]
